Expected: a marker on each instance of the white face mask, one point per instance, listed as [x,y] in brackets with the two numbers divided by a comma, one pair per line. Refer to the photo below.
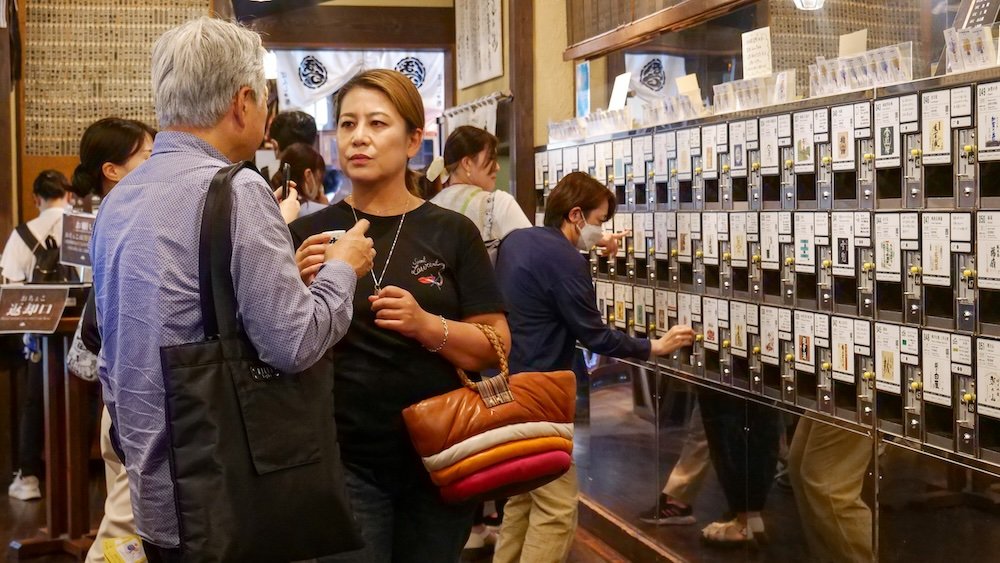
[589,236]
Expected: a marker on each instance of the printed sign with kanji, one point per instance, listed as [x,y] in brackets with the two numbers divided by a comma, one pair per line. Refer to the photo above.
[31,308]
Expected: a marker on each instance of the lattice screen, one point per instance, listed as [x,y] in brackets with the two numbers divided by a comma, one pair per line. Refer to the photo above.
[87,59]
[797,37]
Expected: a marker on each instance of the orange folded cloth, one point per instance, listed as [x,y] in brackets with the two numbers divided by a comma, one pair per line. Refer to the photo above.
[498,454]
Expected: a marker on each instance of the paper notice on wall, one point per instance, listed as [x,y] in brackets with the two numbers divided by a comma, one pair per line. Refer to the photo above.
[887,357]
[936,249]
[936,367]
[988,377]
[887,247]
[757,53]
[988,247]
[842,348]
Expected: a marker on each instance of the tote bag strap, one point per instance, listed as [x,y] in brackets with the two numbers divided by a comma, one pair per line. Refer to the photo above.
[215,254]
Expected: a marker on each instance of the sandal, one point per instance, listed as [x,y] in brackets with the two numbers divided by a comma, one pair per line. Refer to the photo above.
[728,534]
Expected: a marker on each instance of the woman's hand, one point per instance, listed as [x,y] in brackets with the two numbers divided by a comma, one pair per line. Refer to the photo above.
[395,309]
[289,206]
[311,256]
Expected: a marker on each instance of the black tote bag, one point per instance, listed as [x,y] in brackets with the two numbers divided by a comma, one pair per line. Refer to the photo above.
[253,452]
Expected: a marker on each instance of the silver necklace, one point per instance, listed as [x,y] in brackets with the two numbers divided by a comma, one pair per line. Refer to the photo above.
[378,280]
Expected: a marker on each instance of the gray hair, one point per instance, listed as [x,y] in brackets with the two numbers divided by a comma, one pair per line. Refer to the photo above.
[199,66]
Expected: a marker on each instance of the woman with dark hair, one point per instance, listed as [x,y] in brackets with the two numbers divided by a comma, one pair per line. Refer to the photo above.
[307,171]
[412,325]
[470,171]
[110,148]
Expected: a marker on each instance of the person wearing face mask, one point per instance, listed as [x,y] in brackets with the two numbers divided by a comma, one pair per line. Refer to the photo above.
[307,171]
[551,306]
[469,168]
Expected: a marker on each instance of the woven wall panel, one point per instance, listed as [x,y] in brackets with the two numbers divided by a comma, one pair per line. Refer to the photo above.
[84,60]
[798,37]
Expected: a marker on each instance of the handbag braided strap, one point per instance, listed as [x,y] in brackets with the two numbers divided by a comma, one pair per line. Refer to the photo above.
[494,390]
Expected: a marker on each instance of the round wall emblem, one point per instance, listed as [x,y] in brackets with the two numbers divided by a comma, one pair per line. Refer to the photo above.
[312,73]
[414,69]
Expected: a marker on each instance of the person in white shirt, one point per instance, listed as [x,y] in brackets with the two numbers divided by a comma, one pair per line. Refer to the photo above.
[17,265]
[51,197]
[470,168]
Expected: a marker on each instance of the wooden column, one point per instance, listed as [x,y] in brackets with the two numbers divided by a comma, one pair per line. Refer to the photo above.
[521,17]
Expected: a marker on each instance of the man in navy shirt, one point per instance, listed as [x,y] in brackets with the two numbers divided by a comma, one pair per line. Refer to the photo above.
[551,306]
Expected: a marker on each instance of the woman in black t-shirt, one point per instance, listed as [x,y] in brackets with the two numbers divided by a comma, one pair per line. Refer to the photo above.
[412,321]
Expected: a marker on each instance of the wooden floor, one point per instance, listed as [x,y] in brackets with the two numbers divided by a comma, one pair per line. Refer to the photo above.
[20,519]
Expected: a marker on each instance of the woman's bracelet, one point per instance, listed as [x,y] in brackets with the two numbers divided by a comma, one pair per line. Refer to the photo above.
[444,324]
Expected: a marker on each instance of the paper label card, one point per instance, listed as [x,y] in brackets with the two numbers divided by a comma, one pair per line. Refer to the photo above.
[710,237]
[887,369]
[887,150]
[936,249]
[988,118]
[988,249]
[769,144]
[843,243]
[887,247]
[737,146]
[710,320]
[738,325]
[936,367]
[805,239]
[708,143]
[988,377]
[738,237]
[842,119]
[936,118]
[842,346]
[661,310]
[805,333]
[684,309]
[770,250]
[804,142]
[769,333]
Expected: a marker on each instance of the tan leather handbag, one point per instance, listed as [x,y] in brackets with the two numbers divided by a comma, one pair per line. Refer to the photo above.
[499,437]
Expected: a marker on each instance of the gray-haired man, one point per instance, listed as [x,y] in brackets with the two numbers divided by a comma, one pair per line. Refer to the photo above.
[210,92]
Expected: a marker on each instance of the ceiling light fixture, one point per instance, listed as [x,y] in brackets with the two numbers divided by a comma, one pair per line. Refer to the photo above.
[809,4]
